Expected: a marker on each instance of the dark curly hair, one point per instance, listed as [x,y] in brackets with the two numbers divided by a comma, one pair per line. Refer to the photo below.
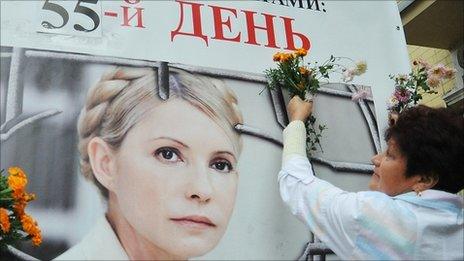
[432,140]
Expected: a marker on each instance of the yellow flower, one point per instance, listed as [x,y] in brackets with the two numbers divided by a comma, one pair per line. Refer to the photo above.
[301,52]
[4,220]
[361,67]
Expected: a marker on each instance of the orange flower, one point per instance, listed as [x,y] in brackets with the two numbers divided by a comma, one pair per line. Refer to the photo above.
[4,220]
[17,179]
[29,197]
[21,202]
[286,57]
[19,207]
[303,71]
[28,223]
[30,227]
[277,57]
[301,52]
[37,239]
[17,171]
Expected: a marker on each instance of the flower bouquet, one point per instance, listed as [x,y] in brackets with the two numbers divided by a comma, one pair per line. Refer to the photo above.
[15,224]
[305,79]
[423,79]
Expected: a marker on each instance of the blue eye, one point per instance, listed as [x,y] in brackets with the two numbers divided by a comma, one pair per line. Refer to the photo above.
[223,166]
[168,154]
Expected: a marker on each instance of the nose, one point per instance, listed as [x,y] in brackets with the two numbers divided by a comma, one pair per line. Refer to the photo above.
[376,159]
[200,188]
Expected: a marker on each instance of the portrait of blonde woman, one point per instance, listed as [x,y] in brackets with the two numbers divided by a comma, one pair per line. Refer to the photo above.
[167,170]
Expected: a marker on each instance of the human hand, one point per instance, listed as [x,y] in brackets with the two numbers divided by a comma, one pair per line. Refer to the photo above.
[299,109]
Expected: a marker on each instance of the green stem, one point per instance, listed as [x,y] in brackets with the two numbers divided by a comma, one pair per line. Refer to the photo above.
[5,191]
[344,57]
[325,62]
[415,94]
[293,84]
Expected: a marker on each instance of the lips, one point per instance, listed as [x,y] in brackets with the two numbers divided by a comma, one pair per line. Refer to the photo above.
[194,221]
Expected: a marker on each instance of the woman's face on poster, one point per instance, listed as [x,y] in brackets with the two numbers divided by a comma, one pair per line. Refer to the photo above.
[176,179]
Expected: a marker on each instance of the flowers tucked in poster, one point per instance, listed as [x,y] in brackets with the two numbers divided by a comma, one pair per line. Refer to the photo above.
[305,79]
[409,88]
[15,224]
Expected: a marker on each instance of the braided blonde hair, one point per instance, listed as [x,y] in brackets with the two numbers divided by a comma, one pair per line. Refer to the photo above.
[124,95]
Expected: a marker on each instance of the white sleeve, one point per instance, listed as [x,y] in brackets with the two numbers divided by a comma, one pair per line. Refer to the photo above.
[329,212]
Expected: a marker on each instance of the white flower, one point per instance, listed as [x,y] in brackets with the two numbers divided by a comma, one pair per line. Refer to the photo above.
[362,94]
[433,81]
[393,102]
[348,75]
[402,77]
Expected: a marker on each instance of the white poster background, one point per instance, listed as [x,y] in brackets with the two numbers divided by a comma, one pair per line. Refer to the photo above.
[367,30]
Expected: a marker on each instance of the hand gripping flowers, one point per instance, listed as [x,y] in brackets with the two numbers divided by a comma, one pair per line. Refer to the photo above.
[304,80]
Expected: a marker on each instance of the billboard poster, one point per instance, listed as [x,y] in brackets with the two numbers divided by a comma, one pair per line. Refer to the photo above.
[157,112]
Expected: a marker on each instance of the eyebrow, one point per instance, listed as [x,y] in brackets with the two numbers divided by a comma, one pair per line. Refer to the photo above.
[226,152]
[186,146]
[171,139]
